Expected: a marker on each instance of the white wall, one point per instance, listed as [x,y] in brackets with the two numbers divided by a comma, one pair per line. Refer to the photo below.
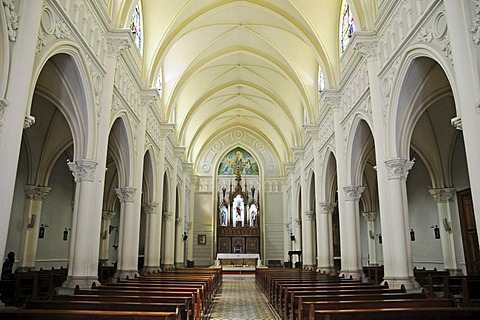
[203,212]
[273,228]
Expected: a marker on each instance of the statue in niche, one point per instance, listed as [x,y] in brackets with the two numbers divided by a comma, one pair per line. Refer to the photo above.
[253,215]
[223,216]
[239,212]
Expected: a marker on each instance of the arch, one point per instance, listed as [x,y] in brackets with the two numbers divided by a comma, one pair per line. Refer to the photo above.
[401,121]
[119,144]
[72,71]
[149,185]
[311,190]
[360,145]
[329,176]
[4,56]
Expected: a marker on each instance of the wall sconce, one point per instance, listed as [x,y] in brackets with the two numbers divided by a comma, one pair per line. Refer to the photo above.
[370,234]
[436,231]
[379,238]
[65,234]
[111,228]
[446,225]
[185,236]
[41,231]
[292,237]
[31,224]
[412,235]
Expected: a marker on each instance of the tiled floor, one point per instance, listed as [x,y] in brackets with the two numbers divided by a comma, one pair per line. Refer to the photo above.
[240,299]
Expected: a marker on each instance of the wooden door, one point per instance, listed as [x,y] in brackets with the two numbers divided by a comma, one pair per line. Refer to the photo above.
[469,232]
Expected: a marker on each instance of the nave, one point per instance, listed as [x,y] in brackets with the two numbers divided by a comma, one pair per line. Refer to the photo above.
[240,298]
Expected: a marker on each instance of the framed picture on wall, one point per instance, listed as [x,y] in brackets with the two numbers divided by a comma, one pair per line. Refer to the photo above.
[202,239]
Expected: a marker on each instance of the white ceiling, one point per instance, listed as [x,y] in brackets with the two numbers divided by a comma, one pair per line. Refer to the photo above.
[241,64]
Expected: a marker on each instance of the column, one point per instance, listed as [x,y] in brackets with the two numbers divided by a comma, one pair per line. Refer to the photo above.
[308,258]
[84,248]
[129,232]
[14,105]
[105,236]
[370,217]
[297,232]
[351,258]
[396,239]
[179,243]
[31,223]
[168,243]
[464,36]
[444,199]
[152,238]
[324,238]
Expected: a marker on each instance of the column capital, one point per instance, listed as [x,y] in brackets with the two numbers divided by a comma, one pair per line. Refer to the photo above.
[398,168]
[108,215]
[167,216]
[83,169]
[178,221]
[309,215]
[167,129]
[366,44]
[353,193]
[443,195]
[36,192]
[298,222]
[118,40]
[327,207]
[370,216]
[125,194]
[457,123]
[28,121]
[150,207]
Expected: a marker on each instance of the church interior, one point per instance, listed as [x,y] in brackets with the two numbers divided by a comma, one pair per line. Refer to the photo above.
[146,136]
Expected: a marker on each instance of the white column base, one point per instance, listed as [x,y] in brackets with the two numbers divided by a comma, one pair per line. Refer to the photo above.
[354,274]
[81,282]
[396,283]
[151,269]
[123,274]
[325,270]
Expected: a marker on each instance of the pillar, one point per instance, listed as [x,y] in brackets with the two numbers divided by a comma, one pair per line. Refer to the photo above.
[307,248]
[168,240]
[396,239]
[105,236]
[129,232]
[444,198]
[370,217]
[324,238]
[84,248]
[179,243]
[152,238]
[297,232]
[30,226]
[351,257]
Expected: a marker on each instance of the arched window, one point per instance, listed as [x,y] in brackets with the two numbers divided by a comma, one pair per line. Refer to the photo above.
[159,82]
[136,26]
[348,26]
[321,81]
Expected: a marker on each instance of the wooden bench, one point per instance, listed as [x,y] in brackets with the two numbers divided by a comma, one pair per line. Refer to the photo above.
[39,314]
[374,304]
[439,313]
[301,303]
[471,292]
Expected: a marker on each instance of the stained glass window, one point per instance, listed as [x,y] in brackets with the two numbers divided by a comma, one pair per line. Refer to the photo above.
[348,26]
[136,26]
[321,82]
[159,82]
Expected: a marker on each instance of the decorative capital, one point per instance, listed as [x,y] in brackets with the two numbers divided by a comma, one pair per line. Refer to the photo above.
[475,30]
[11,19]
[457,123]
[83,169]
[28,121]
[36,192]
[398,168]
[370,216]
[310,215]
[167,216]
[298,223]
[178,221]
[368,49]
[353,193]
[443,195]
[118,40]
[125,194]
[108,215]
[150,207]
[331,100]
[167,129]
[327,207]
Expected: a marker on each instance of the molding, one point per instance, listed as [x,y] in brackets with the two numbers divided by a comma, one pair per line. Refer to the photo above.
[11,19]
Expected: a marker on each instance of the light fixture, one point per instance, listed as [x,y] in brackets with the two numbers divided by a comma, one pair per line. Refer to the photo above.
[65,234]
[412,235]
[292,237]
[185,236]
[436,231]
[41,231]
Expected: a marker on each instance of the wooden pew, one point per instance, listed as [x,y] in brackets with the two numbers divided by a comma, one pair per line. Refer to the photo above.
[170,307]
[471,292]
[438,313]
[301,303]
[49,314]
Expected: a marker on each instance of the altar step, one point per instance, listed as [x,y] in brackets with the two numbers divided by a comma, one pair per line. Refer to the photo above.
[236,270]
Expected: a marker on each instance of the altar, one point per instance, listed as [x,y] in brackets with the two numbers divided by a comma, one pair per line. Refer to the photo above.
[238,257]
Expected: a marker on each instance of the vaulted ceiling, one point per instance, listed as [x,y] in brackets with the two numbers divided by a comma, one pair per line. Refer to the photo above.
[241,64]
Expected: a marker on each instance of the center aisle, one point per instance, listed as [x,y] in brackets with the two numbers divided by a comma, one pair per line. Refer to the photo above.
[239,298]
